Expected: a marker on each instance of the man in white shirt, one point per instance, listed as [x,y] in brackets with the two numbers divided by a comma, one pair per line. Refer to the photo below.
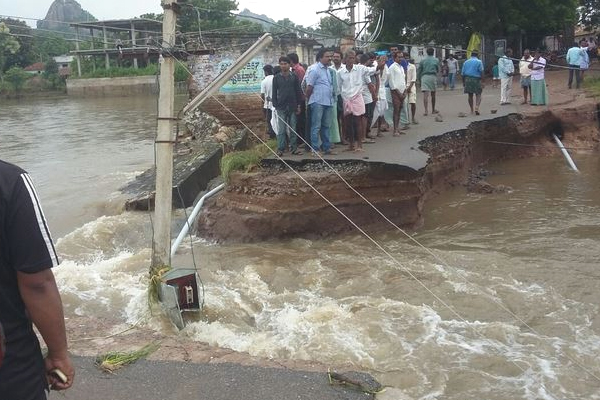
[266,93]
[506,69]
[452,70]
[411,89]
[350,79]
[397,83]
[525,74]
[369,94]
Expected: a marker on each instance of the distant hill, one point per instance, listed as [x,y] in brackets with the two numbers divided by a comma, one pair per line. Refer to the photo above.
[63,12]
[252,17]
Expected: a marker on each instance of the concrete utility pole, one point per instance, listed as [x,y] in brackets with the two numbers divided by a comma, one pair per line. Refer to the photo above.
[165,139]
[348,42]
[352,7]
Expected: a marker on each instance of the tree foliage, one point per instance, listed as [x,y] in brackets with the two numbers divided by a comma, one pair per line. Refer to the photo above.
[16,78]
[8,45]
[334,27]
[207,15]
[49,44]
[589,13]
[20,32]
[449,20]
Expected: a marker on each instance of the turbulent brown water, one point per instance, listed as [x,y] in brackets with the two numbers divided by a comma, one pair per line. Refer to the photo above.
[506,307]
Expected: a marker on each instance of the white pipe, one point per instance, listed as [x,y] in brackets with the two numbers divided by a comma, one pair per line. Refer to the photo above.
[191,218]
[233,69]
[565,153]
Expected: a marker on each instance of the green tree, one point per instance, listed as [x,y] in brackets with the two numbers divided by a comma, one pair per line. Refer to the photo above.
[49,44]
[334,27]
[450,20]
[589,13]
[8,45]
[24,56]
[207,15]
[16,78]
[152,16]
[284,26]
[51,74]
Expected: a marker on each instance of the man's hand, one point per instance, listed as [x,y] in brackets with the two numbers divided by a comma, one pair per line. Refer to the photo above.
[62,363]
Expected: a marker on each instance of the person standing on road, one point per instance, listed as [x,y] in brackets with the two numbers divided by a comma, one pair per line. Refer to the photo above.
[320,96]
[506,70]
[584,64]
[411,89]
[287,101]
[351,78]
[472,71]
[382,103]
[397,83]
[525,74]
[539,92]
[28,295]
[302,120]
[574,60]
[266,93]
[452,70]
[427,73]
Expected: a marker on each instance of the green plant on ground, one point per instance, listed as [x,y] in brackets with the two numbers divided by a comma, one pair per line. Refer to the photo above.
[156,274]
[181,73]
[15,79]
[116,72]
[245,160]
[112,361]
[592,85]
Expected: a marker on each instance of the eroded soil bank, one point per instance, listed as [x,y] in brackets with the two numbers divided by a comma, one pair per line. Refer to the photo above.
[277,203]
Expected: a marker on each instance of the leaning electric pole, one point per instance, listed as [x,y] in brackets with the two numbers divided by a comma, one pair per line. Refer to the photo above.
[165,139]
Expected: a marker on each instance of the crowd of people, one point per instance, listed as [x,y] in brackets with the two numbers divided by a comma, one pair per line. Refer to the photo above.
[342,99]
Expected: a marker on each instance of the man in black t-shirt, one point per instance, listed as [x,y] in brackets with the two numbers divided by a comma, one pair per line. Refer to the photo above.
[28,294]
[287,101]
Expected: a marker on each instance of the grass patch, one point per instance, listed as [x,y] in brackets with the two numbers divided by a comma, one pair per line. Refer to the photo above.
[113,361]
[181,74]
[245,160]
[592,85]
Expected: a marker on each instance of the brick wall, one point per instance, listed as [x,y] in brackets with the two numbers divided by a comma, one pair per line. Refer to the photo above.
[242,93]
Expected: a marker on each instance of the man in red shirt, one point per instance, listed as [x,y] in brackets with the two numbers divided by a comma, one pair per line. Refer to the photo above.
[301,122]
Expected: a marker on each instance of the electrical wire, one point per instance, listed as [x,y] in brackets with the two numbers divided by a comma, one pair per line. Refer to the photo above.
[429,251]
[380,247]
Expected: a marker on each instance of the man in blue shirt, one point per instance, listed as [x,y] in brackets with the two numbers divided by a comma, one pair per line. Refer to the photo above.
[574,56]
[471,73]
[319,93]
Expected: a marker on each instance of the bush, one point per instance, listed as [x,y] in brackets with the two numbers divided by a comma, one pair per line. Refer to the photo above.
[181,73]
[151,69]
[592,85]
[15,79]
[244,160]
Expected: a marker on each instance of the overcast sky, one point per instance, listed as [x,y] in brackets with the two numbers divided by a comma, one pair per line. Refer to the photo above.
[301,12]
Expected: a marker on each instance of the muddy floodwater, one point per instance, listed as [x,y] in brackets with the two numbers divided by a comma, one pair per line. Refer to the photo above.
[495,298]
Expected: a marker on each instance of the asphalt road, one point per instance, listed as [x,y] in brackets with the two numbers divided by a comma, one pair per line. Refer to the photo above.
[167,380]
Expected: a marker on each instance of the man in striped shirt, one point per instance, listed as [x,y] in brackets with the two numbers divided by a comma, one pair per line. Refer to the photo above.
[28,294]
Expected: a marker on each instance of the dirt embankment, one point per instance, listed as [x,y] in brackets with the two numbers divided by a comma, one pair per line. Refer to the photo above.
[276,203]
